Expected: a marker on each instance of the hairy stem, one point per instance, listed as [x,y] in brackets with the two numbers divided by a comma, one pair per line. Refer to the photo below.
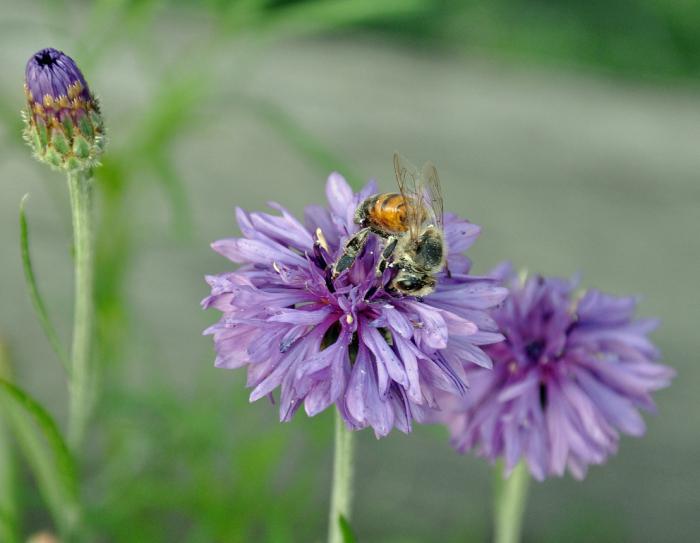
[80,188]
[510,495]
[341,493]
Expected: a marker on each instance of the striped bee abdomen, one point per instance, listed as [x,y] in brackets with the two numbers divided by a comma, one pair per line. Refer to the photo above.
[388,212]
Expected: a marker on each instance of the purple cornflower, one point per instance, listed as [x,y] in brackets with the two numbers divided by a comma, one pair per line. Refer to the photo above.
[382,359]
[63,121]
[570,376]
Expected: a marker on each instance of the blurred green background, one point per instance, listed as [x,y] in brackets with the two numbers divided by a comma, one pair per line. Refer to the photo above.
[569,130]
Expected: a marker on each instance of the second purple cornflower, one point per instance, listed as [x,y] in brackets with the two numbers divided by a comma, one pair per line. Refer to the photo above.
[571,375]
[380,358]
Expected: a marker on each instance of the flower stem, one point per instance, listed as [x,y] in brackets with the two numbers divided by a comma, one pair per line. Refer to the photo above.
[341,497]
[80,188]
[510,495]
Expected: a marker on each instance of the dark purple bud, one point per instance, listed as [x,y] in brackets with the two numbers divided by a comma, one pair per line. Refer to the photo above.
[63,121]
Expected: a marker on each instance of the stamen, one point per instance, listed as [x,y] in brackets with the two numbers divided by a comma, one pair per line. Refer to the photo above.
[321,239]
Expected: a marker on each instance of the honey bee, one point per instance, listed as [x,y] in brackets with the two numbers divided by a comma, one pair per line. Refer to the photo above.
[410,223]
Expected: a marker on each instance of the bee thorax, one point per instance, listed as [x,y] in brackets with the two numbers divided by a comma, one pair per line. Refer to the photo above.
[430,251]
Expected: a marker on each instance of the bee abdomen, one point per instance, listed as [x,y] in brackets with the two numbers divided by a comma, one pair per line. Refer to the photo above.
[388,212]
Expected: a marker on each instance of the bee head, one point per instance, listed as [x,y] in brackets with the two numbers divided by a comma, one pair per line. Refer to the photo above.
[413,284]
[361,214]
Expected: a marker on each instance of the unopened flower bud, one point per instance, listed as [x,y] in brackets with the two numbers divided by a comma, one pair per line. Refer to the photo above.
[63,124]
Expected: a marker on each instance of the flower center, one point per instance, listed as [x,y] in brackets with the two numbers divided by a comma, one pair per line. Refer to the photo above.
[534,350]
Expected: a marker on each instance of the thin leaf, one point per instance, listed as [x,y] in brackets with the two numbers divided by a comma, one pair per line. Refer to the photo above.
[47,453]
[346,530]
[34,294]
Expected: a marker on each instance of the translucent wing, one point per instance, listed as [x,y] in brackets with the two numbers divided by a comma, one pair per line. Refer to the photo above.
[410,185]
[432,184]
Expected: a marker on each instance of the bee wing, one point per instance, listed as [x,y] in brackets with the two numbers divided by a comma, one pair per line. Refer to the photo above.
[410,185]
[432,184]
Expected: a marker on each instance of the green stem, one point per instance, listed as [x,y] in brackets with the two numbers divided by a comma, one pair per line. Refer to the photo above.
[510,495]
[341,497]
[80,188]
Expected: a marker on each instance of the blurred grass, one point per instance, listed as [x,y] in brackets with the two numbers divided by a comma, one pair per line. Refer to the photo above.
[654,39]
[218,484]
[310,148]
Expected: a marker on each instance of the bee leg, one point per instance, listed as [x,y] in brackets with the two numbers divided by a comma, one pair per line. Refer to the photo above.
[352,248]
[386,254]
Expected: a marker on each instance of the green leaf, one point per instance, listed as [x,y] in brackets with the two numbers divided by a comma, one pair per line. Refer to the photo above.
[34,294]
[8,526]
[9,517]
[346,530]
[47,454]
